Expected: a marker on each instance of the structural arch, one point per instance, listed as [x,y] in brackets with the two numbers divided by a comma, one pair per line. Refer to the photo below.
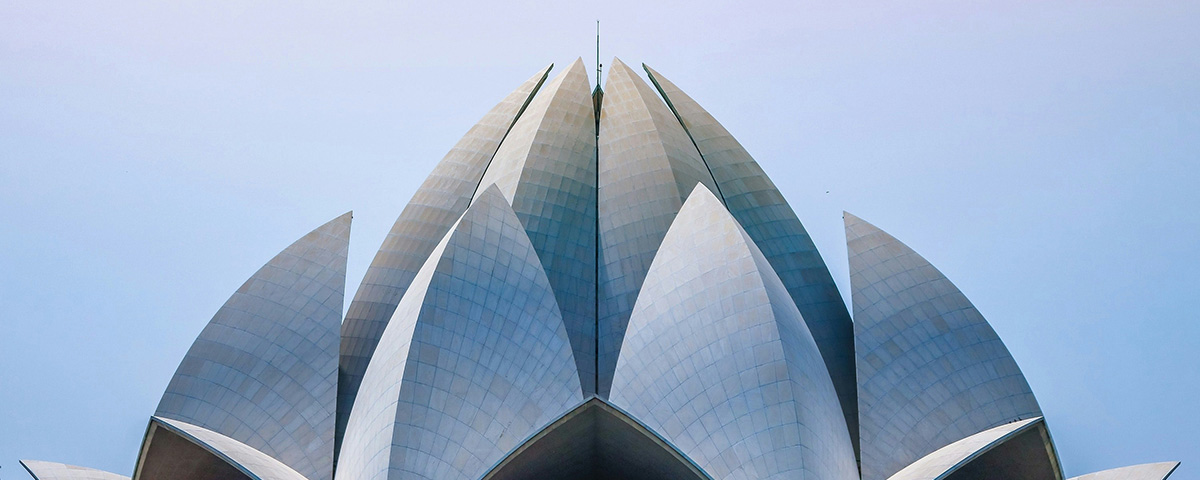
[1019,450]
[176,450]
[596,441]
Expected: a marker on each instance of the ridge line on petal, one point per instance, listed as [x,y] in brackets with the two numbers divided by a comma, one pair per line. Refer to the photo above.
[688,131]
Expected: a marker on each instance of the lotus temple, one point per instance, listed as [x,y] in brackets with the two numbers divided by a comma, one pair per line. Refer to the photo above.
[597,284]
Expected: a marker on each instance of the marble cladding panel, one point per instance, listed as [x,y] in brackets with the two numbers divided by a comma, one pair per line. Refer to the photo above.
[761,210]
[475,360]
[647,167]
[718,361]
[931,371]
[546,168]
[264,369]
[436,205]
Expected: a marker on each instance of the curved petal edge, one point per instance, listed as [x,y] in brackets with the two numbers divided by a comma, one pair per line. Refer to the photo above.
[436,205]
[546,168]
[1019,450]
[596,440]
[718,359]
[474,360]
[40,470]
[931,370]
[647,167]
[761,210]
[170,452]
[264,369]
[1145,471]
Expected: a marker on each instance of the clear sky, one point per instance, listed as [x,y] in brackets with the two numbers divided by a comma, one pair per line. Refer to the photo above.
[1045,155]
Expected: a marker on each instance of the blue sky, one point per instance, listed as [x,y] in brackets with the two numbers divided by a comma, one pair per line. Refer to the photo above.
[1044,155]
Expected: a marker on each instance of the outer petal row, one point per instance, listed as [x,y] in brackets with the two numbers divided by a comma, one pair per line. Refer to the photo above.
[264,370]
[931,371]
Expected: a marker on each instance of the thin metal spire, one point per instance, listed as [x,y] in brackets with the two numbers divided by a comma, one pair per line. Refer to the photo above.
[598,65]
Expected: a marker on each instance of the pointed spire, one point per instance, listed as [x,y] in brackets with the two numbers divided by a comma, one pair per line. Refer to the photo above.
[598,54]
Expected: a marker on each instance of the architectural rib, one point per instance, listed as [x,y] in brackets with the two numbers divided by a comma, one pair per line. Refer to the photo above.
[1146,471]
[436,205]
[718,360]
[546,168]
[475,360]
[944,462]
[761,210]
[647,167]
[40,470]
[264,369]
[931,370]
[223,453]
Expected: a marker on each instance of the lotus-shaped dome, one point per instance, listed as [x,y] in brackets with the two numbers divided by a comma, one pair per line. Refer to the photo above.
[597,283]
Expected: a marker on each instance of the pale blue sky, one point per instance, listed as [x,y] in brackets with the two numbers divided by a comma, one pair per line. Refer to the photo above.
[1044,155]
